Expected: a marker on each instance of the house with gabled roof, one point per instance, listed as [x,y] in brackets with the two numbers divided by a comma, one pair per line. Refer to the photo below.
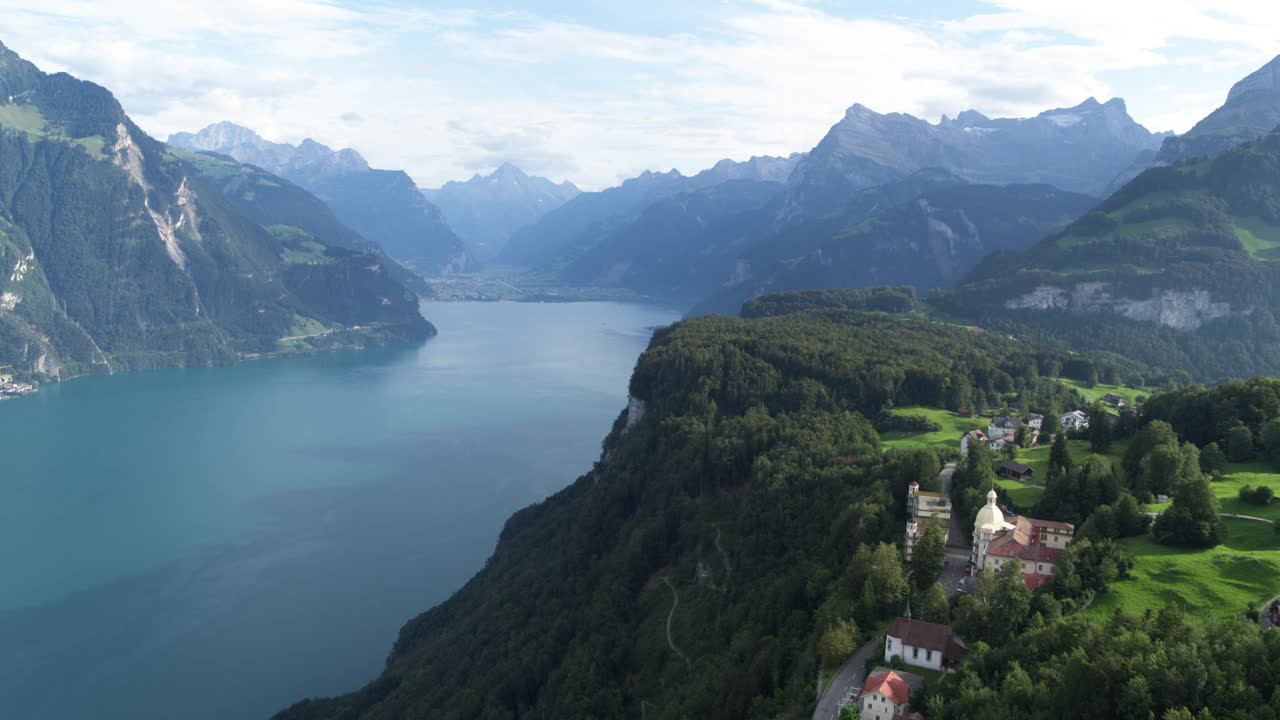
[886,694]
[922,644]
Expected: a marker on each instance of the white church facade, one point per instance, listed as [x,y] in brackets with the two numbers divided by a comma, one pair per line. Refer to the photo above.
[1036,545]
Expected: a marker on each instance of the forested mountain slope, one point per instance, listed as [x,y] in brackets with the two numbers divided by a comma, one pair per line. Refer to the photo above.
[288,211]
[1179,268]
[741,501]
[382,205]
[583,221]
[889,236]
[114,255]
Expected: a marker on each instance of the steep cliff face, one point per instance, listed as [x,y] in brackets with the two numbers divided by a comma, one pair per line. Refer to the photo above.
[1177,309]
[382,205]
[115,255]
[1180,266]
[1252,110]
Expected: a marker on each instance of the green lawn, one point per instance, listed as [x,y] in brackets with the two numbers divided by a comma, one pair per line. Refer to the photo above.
[1243,572]
[1237,476]
[1259,237]
[1227,489]
[1023,496]
[1095,393]
[953,428]
[25,118]
[28,119]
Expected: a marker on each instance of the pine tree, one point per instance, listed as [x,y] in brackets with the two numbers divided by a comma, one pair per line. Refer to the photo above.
[1059,457]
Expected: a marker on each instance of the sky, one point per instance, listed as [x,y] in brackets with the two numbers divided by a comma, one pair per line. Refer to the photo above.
[595,92]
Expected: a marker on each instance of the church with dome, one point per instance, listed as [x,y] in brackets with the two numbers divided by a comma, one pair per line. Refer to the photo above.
[1036,545]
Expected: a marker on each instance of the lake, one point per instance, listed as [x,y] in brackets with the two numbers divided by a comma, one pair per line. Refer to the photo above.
[220,542]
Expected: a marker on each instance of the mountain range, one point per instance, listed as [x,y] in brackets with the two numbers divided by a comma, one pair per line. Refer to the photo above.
[385,206]
[579,224]
[487,209]
[678,239]
[1080,149]
[927,231]
[117,254]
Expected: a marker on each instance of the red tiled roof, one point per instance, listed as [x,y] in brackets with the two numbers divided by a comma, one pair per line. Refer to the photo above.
[1035,581]
[889,684]
[1023,541]
[1053,524]
[921,634]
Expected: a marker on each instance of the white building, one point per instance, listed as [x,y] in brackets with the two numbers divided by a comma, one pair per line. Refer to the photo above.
[922,644]
[924,510]
[1003,427]
[1035,544]
[886,693]
[1074,420]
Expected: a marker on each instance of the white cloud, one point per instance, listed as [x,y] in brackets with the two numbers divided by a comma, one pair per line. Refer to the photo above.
[445,93]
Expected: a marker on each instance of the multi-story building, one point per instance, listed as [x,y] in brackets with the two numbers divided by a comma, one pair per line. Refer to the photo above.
[1035,544]
[924,510]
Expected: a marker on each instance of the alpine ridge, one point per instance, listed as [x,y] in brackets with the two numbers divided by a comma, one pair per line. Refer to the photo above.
[116,254]
[382,205]
[487,209]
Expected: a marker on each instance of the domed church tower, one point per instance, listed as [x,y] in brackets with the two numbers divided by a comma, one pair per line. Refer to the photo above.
[989,522]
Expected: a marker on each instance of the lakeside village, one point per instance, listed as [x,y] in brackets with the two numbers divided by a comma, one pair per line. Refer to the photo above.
[10,388]
[999,538]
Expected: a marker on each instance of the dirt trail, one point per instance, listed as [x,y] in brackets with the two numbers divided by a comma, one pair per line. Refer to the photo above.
[675,596]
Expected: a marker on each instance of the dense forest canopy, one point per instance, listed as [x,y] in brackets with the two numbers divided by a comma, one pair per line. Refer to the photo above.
[753,488]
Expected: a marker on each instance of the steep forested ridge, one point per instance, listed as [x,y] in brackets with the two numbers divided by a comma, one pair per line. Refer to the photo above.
[382,205]
[1179,268]
[745,488]
[113,255]
[927,231]
[289,212]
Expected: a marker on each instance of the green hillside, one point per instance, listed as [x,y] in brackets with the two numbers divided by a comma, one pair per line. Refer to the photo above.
[115,254]
[754,433]
[1178,270]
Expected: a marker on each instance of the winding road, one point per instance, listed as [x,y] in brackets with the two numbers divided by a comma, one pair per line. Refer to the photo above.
[850,677]
[675,596]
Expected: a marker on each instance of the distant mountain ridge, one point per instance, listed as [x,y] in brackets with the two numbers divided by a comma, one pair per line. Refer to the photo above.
[584,219]
[382,205]
[116,254]
[1079,149]
[487,209]
[1252,110]
[926,231]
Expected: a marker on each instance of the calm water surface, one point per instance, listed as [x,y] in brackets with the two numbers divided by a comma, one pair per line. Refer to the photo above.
[216,543]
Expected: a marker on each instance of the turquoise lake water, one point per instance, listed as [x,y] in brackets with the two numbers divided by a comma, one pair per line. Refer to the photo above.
[217,543]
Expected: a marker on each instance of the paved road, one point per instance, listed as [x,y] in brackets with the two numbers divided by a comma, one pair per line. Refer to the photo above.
[850,677]
[956,537]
